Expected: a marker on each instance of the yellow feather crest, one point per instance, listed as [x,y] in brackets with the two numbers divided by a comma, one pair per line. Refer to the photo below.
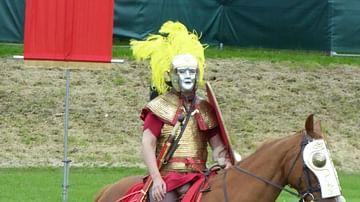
[160,49]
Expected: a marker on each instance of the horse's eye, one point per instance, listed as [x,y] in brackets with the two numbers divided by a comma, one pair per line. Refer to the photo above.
[319,159]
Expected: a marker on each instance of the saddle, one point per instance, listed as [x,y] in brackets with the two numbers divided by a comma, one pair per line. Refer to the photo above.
[194,194]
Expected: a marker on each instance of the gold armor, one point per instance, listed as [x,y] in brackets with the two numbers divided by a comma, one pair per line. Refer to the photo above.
[193,143]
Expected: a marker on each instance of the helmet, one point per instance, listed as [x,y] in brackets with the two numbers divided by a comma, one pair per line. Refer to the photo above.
[173,49]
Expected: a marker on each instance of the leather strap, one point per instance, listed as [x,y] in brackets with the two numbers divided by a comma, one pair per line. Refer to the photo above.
[175,144]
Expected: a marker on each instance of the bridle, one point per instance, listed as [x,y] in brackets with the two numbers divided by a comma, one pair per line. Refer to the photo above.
[310,189]
[306,171]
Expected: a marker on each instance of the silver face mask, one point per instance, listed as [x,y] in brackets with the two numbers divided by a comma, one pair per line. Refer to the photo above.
[317,159]
[184,74]
[187,78]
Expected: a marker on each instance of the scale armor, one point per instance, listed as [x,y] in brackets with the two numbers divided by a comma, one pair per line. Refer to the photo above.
[193,143]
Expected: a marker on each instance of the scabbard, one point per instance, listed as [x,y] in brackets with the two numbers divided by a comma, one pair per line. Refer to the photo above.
[145,189]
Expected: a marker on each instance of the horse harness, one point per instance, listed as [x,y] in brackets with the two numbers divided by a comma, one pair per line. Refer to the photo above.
[302,196]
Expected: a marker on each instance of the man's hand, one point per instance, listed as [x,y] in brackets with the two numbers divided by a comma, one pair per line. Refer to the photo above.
[158,189]
[220,153]
[227,164]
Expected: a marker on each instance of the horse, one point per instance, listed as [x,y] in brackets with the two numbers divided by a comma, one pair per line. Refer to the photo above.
[265,173]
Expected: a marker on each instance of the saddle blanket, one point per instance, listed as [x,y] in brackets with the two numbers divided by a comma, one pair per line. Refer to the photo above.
[192,195]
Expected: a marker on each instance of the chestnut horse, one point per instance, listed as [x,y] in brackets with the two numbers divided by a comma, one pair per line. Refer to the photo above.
[262,175]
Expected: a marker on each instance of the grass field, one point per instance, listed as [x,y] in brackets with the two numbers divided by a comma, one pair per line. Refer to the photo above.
[45,184]
[310,59]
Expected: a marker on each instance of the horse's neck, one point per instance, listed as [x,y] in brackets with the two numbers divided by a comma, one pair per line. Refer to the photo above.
[269,162]
[271,158]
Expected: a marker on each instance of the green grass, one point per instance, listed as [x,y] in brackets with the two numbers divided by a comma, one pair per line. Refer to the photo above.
[10,49]
[45,184]
[296,58]
[349,184]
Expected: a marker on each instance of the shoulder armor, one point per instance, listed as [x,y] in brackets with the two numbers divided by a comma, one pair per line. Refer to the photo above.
[165,106]
[207,119]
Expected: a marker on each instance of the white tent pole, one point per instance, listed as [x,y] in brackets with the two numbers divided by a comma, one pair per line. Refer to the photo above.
[333,53]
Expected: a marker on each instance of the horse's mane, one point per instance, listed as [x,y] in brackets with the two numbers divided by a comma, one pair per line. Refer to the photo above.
[311,129]
[275,143]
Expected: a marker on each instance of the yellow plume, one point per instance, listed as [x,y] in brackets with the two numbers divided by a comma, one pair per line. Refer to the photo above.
[160,49]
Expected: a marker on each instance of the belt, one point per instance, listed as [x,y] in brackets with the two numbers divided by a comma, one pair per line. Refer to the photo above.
[189,162]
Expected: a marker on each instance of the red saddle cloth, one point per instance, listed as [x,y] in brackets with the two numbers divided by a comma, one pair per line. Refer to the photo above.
[194,193]
[133,194]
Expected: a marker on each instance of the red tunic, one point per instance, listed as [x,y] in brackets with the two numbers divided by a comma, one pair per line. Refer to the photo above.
[174,179]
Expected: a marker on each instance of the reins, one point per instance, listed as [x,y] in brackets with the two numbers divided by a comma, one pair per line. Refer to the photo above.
[309,190]
[259,178]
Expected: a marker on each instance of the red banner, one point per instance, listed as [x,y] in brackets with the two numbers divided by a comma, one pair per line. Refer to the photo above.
[69,30]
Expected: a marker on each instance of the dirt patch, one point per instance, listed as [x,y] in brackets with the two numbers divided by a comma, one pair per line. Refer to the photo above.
[259,100]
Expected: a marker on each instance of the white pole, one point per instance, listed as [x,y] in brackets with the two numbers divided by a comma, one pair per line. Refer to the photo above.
[333,53]
[18,57]
[117,61]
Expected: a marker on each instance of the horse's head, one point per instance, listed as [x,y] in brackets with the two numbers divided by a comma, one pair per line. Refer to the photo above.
[312,172]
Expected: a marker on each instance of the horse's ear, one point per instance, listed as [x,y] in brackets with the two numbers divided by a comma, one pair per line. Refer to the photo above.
[317,128]
[309,124]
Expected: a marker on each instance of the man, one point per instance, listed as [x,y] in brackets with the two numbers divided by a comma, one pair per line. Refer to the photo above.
[177,63]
